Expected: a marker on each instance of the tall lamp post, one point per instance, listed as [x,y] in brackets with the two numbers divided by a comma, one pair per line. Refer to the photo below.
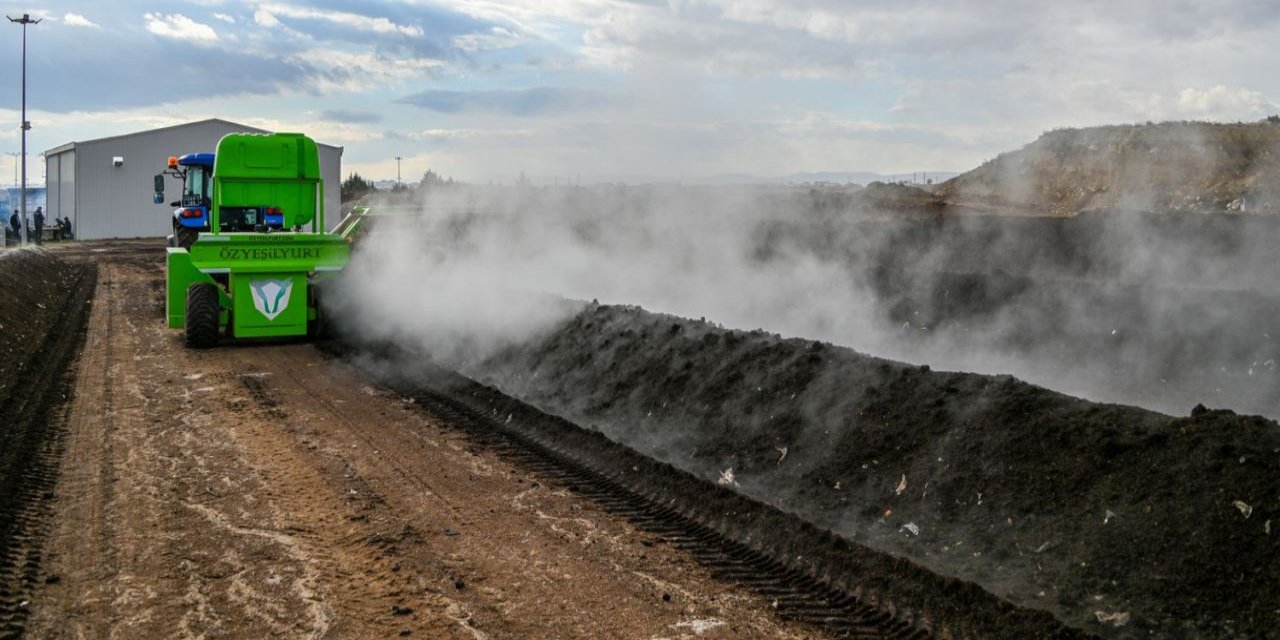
[26,126]
[397,172]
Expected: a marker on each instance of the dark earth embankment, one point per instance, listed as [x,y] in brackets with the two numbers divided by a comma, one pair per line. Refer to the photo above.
[1116,519]
[43,308]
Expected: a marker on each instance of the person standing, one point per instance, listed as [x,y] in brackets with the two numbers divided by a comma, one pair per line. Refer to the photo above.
[38,221]
[15,224]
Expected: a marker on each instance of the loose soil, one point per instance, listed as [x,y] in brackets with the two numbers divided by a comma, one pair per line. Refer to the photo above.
[269,491]
[1119,520]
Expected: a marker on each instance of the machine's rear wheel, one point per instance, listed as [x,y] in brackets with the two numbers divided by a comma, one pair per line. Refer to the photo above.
[202,315]
[185,236]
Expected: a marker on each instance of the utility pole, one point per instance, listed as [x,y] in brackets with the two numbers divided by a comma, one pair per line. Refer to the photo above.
[26,126]
[397,172]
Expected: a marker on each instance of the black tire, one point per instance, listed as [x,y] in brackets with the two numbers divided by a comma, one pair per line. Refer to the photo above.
[201,328]
[317,329]
[185,236]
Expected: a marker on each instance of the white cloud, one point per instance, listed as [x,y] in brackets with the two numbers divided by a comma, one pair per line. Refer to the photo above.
[225,18]
[353,20]
[1223,102]
[265,19]
[351,71]
[495,38]
[77,20]
[318,129]
[467,134]
[179,27]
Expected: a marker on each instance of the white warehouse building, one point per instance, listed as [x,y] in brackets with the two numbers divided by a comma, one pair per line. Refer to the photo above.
[105,186]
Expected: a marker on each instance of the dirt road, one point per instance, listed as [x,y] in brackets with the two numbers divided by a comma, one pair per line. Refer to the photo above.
[267,491]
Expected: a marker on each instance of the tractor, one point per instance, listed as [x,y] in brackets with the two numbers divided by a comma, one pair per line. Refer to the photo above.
[249,243]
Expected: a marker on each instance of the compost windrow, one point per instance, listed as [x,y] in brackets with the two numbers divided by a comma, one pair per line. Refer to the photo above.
[842,588]
[1115,519]
[43,310]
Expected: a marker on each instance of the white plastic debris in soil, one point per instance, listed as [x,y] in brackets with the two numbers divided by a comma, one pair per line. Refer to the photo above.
[699,626]
[1245,508]
[1118,618]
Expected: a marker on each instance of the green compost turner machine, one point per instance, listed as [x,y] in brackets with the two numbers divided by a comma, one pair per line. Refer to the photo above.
[261,247]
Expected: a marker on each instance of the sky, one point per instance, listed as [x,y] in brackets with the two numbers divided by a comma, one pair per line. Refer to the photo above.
[482,90]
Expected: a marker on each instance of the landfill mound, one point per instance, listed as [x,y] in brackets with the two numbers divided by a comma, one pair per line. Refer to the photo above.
[1116,519]
[1201,167]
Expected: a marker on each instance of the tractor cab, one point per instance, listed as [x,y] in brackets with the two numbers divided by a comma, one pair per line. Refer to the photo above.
[197,180]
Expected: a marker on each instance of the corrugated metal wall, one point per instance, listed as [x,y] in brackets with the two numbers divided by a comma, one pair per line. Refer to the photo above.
[108,201]
[52,165]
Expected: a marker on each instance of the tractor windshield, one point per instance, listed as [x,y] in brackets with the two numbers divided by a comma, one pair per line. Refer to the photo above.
[196,189]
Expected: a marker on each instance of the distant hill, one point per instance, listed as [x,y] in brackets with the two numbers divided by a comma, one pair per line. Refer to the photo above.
[1167,167]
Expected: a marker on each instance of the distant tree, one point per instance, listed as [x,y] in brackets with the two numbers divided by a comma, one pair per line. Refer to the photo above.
[356,187]
[1273,119]
[433,179]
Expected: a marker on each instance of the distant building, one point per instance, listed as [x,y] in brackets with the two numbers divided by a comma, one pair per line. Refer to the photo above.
[105,185]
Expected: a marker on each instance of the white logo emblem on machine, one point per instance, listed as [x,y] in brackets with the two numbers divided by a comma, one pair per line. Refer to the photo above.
[271,297]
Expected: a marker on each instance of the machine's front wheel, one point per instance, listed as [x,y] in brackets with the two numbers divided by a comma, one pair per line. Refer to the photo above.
[201,327]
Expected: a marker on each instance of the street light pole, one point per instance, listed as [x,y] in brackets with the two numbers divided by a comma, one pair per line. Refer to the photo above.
[397,172]
[26,126]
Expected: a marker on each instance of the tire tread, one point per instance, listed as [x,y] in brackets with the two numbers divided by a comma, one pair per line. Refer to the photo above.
[201,325]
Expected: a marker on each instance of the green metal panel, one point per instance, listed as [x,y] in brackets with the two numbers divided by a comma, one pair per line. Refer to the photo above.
[279,263]
[270,252]
[269,170]
[269,304]
[181,274]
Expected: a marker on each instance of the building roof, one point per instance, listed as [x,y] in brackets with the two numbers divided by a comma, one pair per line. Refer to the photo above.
[71,145]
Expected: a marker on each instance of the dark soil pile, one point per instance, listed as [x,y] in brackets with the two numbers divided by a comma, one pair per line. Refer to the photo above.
[1116,519]
[34,287]
[43,309]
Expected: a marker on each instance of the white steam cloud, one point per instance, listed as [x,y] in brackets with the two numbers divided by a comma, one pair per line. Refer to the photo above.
[1154,316]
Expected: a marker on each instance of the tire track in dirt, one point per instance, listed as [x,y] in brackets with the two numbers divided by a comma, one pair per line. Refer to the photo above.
[132,553]
[351,536]
[413,493]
